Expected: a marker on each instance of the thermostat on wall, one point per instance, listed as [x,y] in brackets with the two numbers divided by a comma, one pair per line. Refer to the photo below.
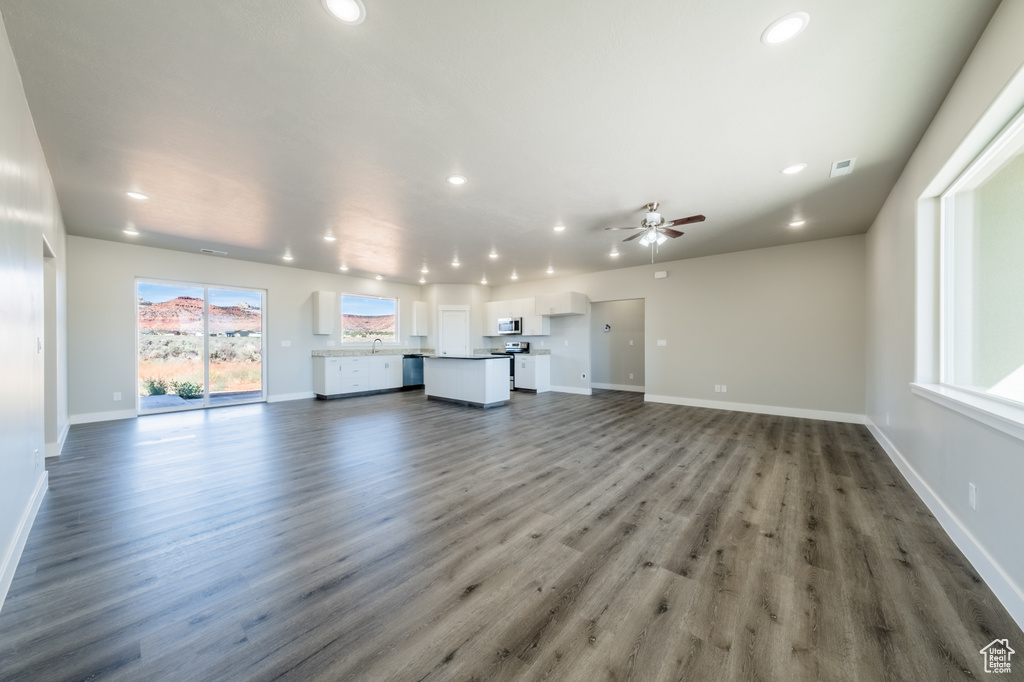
[660,274]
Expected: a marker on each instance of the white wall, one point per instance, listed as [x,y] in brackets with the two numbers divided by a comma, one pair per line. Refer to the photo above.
[941,450]
[619,352]
[101,317]
[782,327]
[28,213]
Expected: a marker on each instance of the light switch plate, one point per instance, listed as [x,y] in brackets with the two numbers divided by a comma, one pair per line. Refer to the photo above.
[662,342]
[285,344]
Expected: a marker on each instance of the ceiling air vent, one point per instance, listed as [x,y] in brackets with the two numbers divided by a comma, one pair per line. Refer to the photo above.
[844,167]
[211,252]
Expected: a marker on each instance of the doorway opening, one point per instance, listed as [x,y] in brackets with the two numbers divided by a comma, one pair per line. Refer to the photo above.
[617,345]
[198,345]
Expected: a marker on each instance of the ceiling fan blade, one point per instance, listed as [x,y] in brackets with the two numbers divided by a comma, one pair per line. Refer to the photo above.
[624,228]
[629,239]
[686,221]
[669,232]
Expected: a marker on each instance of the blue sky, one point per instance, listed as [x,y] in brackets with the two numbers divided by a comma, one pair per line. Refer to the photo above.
[158,293]
[357,305]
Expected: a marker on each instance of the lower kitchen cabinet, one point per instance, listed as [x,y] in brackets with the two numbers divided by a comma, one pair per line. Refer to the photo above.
[333,376]
[533,372]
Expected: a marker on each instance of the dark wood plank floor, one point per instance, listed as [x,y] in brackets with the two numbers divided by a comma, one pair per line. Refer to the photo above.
[561,538]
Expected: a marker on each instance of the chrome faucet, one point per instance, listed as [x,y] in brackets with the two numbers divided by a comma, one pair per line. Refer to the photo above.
[374,351]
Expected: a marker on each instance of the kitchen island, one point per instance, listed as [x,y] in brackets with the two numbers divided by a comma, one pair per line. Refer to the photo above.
[474,380]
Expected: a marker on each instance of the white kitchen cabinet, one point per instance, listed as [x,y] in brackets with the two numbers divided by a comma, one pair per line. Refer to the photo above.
[325,309]
[533,323]
[533,372]
[356,374]
[420,319]
[562,303]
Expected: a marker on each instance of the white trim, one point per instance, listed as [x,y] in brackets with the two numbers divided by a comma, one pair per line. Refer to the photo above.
[570,389]
[993,413]
[618,387]
[284,397]
[92,417]
[13,554]
[53,449]
[1009,594]
[824,415]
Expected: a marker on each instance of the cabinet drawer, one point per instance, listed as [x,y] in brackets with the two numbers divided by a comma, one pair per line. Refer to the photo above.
[353,384]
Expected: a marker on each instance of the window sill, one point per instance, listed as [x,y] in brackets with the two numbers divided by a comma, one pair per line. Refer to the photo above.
[993,413]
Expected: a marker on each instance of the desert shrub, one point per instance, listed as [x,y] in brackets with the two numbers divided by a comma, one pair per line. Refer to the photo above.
[187,390]
[223,353]
[154,386]
[251,353]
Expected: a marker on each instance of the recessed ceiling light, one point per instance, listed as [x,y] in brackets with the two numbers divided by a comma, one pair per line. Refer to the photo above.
[483,281]
[344,268]
[550,270]
[798,223]
[346,11]
[137,195]
[287,257]
[785,28]
[514,275]
[559,228]
[794,169]
[423,280]
[457,179]
[614,253]
[379,277]
[456,263]
[424,270]
[492,254]
[330,238]
[131,231]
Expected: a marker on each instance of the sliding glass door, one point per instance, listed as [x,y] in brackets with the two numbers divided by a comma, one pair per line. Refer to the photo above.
[198,345]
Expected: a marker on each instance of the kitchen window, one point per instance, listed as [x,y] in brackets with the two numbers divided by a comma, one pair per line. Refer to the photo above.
[365,318]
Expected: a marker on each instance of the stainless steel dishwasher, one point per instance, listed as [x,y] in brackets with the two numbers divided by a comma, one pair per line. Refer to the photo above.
[412,370]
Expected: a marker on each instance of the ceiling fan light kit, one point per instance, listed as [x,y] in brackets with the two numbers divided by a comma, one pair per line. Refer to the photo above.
[654,231]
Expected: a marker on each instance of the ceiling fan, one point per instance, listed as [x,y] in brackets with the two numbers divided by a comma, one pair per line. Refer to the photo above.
[653,228]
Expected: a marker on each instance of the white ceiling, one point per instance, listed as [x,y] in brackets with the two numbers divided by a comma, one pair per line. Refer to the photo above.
[258,126]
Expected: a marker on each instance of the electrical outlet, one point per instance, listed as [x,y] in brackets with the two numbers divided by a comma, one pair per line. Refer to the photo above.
[631,342]
[117,395]
[285,344]
[718,388]
[725,389]
[330,342]
[567,342]
[972,496]
[630,376]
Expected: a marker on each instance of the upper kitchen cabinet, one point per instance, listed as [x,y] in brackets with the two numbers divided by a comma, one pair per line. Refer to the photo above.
[562,303]
[325,309]
[420,319]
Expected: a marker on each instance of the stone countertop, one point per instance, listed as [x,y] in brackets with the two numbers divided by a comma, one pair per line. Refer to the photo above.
[487,356]
[355,352]
[539,351]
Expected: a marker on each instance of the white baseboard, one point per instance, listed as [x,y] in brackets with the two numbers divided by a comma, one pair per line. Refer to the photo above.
[284,397]
[619,387]
[92,417]
[1009,594]
[13,554]
[570,389]
[54,449]
[847,417]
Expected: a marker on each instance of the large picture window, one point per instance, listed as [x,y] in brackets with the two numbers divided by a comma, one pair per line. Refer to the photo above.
[982,271]
[365,318]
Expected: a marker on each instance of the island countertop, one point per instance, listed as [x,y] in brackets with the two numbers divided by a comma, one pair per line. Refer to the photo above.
[467,357]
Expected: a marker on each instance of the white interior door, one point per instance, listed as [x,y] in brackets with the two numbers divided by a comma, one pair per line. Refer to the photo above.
[454,332]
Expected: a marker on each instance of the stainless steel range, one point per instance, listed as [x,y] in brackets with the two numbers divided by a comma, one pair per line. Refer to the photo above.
[513,348]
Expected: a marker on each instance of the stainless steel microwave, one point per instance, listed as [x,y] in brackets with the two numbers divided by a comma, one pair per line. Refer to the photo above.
[510,325]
